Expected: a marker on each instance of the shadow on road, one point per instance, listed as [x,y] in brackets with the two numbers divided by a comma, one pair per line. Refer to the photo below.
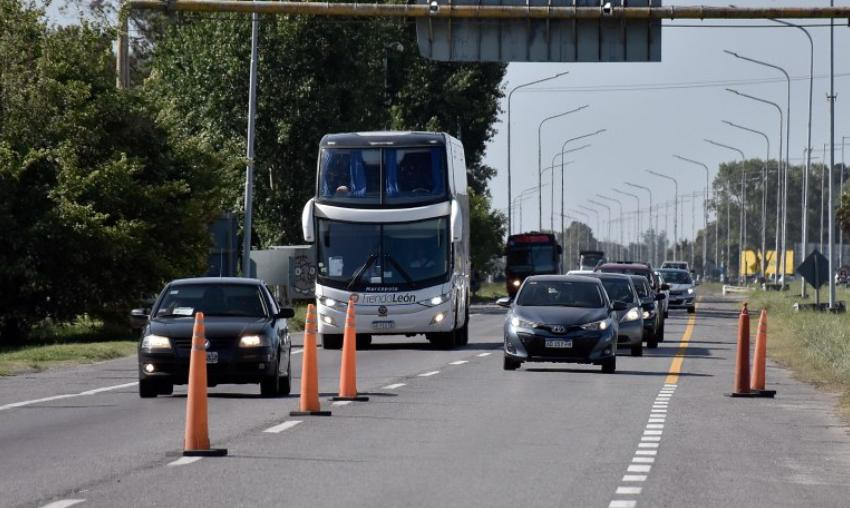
[620,372]
[427,346]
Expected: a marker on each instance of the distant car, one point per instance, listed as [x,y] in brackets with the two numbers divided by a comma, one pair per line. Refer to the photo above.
[677,265]
[653,311]
[620,288]
[682,288]
[562,318]
[247,337]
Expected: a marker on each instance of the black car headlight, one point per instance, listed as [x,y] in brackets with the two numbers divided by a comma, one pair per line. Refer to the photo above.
[632,315]
[249,341]
[156,343]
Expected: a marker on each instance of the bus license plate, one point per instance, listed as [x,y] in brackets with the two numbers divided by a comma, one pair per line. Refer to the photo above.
[559,343]
[383,325]
[212,356]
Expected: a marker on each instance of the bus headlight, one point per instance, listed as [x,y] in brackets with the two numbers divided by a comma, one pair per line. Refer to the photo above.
[328,320]
[690,291]
[327,302]
[438,318]
[152,342]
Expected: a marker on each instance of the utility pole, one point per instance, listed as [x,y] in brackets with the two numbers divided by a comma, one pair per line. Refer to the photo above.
[249,169]
[832,98]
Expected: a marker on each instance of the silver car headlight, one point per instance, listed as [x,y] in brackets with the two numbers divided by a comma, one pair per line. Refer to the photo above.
[522,323]
[646,314]
[596,325]
[690,291]
[632,315]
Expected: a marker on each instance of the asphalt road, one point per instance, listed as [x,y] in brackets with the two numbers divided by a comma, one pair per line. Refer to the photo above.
[442,428]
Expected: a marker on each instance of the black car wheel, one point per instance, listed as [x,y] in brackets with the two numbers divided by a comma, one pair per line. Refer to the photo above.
[148,388]
[666,314]
[166,388]
[285,383]
[270,385]
[510,364]
[691,309]
[332,340]
[659,336]
[637,349]
[609,366]
[364,340]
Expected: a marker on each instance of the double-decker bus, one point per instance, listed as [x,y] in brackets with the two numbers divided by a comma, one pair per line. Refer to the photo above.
[530,254]
[390,220]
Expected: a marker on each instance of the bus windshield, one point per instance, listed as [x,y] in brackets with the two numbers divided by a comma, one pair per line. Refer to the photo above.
[532,259]
[405,256]
[376,176]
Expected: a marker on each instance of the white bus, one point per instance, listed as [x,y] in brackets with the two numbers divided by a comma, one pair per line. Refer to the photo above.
[390,220]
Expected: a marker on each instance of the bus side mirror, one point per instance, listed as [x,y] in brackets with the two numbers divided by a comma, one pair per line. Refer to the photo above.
[457,222]
[307,222]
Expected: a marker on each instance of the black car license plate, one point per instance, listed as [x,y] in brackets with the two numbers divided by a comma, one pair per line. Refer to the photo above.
[559,344]
[212,356]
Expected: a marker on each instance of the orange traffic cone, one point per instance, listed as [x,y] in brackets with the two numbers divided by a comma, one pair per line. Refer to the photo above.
[760,359]
[309,405]
[196,442]
[348,367]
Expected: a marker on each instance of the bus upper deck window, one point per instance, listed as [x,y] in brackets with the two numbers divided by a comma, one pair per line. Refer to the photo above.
[414,174]
[350,176]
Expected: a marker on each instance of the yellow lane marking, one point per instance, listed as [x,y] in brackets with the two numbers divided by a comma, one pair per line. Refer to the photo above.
[679,359]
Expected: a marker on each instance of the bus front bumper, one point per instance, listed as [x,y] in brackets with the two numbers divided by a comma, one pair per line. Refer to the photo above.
[437,318]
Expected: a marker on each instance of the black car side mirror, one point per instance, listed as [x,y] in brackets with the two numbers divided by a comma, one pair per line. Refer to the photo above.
[660,296]
[285,313]
[138,318]
[620,306]
[665,287]
[504,301]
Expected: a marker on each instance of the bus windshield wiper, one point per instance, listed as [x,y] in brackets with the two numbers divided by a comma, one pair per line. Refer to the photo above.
[359,272]
[398,267]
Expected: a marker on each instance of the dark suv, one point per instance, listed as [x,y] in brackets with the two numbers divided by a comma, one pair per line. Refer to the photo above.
[656,286]
[247,338]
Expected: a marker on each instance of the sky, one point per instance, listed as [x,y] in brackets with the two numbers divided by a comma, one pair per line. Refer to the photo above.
[646,127]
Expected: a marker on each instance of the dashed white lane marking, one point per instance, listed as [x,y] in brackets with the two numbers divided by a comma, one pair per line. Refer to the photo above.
[63,503]
[654,425]
[629,490]
[459,362]
[283,426]
[647,445]
[646,452]
[634,478]
[656,420]
[426,374]
[393,386]
[638,468]
[482,355]
[66,396]
[182,461]
[341,403]
[652,432]
[643,460]
[622,503]
[650,439]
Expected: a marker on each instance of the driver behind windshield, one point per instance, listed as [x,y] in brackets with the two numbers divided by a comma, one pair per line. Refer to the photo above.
[413,179]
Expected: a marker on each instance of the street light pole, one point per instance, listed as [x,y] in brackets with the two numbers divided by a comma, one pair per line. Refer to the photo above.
[653,251]
[586,229]
[539,157]
[832,98]
[563,146]
[622,223]
[763,194]
[598,221]
[705,218]
[249,170]
[675,208]
[637,236]
[510,95]
[608,209]
[742,226]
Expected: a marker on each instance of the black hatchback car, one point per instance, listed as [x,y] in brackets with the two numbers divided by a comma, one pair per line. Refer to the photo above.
[562,318]
[247,338]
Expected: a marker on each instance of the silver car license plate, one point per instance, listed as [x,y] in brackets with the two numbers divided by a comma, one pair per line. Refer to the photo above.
[559,343]
[212,356]
[383,325]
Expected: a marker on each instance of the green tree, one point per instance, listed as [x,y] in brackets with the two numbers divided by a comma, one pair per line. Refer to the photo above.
[486,231]
[101,198]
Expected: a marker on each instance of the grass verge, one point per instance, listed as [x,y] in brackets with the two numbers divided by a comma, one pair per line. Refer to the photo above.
[815,345]
[490,292]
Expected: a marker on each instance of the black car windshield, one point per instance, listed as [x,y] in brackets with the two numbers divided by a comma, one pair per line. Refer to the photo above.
[213,300]
[641,286]
[619,290]
[676,277]
[374,176]
[532,259]
[408,255]
[560,294]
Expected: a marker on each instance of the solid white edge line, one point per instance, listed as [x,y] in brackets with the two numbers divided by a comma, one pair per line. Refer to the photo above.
[63,503]
[634,478]
[426,374]
[459,362]
[622,503]
[629,490]
[482,355]
[283,426]
[182,461]
[66,396]
[393,386]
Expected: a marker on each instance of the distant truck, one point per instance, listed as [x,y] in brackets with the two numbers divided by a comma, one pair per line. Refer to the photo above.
[590,259]
[529,254]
